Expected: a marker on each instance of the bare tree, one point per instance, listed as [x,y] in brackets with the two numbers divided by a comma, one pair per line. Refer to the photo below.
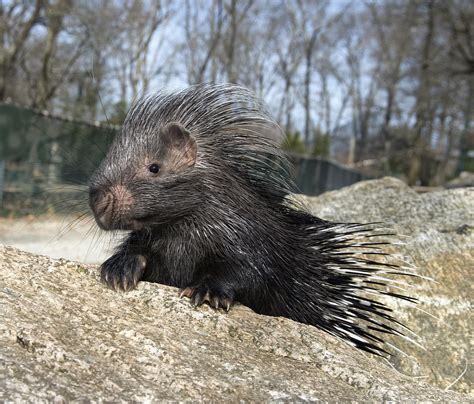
[422,129]
[395,76]
[17,20]
[363,92]
[459,16]
[287,47]
[392,43]
[201,46]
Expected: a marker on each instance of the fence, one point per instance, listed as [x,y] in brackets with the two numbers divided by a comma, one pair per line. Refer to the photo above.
[315,176]
[42,153]
[2,176]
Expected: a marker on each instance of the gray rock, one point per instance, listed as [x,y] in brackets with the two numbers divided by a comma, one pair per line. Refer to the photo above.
[64,336]
[465,179]
[437,229]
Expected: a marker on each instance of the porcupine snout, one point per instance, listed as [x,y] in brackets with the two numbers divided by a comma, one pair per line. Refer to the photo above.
[111,207]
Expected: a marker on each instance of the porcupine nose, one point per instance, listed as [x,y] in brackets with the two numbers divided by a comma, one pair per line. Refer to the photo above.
[110,207]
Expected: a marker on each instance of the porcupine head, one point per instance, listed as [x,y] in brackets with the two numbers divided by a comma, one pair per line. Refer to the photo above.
[172,150]
[177,177]
[203,195]
[147,178]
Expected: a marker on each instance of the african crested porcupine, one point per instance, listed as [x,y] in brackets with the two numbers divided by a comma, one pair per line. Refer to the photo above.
[204,197]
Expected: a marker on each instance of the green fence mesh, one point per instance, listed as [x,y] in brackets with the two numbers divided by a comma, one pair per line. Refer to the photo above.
[45,156]
[39,148]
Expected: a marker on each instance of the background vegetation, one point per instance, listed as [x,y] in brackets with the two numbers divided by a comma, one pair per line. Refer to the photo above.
[384,86]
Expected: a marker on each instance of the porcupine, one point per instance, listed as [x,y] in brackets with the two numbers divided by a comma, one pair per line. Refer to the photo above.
[205,199]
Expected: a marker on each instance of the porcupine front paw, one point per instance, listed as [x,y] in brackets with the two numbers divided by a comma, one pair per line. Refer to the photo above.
[216,297]
[121,272]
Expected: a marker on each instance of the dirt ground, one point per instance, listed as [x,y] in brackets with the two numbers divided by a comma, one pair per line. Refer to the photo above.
[58,237]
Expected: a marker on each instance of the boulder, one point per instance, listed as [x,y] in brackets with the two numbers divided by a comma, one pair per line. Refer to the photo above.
[436,233]
[64,336]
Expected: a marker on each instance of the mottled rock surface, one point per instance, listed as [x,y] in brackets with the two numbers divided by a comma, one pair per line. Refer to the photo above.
[63,336]
[438,232]
[465,179]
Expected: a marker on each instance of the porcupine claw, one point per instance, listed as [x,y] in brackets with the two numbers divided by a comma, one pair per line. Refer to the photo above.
[186,292]
[123,271]
[203,294]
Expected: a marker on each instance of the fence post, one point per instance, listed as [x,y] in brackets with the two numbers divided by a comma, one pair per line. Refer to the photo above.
[2,180]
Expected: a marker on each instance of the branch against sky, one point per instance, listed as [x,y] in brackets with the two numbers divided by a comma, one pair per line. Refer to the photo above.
[377,72]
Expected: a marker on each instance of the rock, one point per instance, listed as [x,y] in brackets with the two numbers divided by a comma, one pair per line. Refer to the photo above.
[64,336]
[465,179]
[438,231]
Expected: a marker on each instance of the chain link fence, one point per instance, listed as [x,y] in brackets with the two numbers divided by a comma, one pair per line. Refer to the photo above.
[45,162]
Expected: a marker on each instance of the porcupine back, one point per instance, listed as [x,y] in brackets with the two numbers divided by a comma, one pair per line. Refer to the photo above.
[313,271]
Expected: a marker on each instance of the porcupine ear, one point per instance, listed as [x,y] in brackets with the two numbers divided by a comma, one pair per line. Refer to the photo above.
[180,146]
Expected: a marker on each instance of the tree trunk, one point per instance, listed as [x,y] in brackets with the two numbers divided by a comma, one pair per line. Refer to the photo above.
[8,60]
[422,102]
[465,142]
[231,75]
[307,87]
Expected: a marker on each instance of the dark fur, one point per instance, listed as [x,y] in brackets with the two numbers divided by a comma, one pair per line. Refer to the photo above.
[216,222]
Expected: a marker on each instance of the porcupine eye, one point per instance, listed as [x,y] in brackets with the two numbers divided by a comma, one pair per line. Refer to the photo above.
[154,168]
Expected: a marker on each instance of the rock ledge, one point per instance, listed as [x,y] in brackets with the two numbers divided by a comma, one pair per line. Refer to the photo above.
[63,336]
